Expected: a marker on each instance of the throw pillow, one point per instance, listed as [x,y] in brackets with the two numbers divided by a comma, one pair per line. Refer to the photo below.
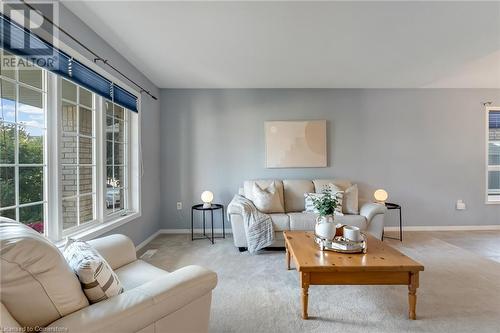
[267,200]
[309,204]
[350,200]
[98,280]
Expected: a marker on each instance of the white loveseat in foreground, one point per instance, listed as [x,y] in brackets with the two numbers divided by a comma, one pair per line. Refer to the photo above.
[38,289]
[291,191]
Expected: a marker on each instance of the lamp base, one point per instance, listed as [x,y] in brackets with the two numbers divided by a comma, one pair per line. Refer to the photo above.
[207,205]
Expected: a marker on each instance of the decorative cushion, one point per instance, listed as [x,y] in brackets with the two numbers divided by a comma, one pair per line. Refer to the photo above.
[350,200]
[267,200]
[294,194]
[98,280]
[248,189]
[37,285]
[319,184]
[309,203]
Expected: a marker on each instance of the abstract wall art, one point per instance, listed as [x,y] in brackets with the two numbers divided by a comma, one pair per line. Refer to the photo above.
[296,144]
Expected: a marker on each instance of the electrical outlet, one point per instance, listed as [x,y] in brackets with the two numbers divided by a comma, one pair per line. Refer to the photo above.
[179,205]
[461,205]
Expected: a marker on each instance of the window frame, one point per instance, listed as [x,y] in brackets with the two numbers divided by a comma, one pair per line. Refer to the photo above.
[489,167]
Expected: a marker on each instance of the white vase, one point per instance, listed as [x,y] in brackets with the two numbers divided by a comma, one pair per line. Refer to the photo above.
[325,227]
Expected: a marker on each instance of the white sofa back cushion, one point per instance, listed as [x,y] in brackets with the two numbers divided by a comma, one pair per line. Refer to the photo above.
[263,184]
[38,286]
[294,194]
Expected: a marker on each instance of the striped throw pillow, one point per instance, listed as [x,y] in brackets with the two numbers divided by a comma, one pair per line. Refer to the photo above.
[98,280]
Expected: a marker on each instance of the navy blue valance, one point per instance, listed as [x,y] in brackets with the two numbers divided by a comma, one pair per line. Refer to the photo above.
[23,43]
[494,119]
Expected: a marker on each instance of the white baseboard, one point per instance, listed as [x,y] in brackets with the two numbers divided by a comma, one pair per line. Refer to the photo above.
[179,231]
[445,228]
[147,240]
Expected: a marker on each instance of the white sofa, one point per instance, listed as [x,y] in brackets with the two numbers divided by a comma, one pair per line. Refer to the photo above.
[291,191]
[38,289]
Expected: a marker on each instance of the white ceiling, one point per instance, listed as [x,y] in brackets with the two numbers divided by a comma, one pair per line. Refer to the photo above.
[303,44]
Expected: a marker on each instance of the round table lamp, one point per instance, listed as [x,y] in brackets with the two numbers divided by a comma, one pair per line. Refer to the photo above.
[207,197]
[381,196]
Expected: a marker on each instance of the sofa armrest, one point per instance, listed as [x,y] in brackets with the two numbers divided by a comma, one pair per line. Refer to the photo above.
[233,209]
[118,250]
[140,307]
[370,209]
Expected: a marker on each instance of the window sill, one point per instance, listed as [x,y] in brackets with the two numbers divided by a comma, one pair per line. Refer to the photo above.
[99,229]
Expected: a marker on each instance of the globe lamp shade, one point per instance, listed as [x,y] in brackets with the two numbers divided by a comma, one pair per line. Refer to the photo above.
[207,197]
[380,195]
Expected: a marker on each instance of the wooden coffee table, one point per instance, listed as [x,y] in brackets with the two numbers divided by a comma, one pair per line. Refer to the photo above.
[381,265]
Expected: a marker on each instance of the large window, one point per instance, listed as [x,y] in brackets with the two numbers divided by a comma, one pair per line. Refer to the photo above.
[22,142]
[493,155]
[68,157]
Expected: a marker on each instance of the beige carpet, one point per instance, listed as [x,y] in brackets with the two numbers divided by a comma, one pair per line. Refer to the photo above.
[459,291]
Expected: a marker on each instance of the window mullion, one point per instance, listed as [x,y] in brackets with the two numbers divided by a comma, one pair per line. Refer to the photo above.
[127,161]
[77,156]
[16,151]
[54,213]
[100,159]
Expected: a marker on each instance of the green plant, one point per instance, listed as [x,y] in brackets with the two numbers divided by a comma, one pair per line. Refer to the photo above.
[326,203]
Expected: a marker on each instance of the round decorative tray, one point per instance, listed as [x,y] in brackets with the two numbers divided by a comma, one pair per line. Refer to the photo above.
[342,245]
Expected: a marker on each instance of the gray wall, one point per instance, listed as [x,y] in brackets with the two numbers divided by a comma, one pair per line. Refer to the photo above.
[426,147]
[149,222]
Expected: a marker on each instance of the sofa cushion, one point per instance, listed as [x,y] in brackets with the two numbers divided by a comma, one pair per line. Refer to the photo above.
[302,221]
[38,286]
[267,200]
[98,280]
[138,273]
[350,203]
[307,221]
[248,190]
[320,184]
[294,194]
[281,222]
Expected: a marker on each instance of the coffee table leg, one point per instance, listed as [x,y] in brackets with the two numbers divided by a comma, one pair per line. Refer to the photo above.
[305,294]
[412,295]
[287,258]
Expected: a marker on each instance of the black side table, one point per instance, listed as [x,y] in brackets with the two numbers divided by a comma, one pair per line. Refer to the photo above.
[204,210]
[391,206]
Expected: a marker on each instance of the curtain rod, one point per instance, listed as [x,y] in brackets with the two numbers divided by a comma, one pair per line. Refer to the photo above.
[97,57]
